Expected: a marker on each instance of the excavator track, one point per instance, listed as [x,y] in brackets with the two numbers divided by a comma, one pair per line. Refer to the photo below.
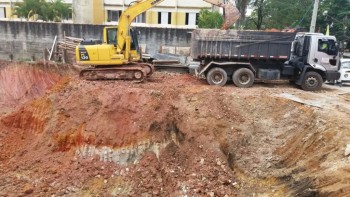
[137,72]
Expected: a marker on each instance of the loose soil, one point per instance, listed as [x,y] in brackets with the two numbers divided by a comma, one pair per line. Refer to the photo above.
[172,135]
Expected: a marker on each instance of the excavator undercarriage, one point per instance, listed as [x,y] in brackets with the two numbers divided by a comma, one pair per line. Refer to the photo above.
[137,72]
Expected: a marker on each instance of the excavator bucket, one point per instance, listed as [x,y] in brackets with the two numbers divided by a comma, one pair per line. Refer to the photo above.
[231,13]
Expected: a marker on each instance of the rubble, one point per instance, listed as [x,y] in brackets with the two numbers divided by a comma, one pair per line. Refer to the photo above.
[171,136]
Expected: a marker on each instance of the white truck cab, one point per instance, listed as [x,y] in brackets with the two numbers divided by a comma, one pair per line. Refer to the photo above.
[344,70]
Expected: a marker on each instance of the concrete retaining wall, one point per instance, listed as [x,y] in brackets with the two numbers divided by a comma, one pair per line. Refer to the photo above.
[27,40]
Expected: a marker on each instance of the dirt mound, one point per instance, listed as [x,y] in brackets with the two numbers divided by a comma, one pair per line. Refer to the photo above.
[171,136]
[22,82]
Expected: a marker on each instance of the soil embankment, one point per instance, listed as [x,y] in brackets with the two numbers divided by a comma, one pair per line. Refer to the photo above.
[170,136]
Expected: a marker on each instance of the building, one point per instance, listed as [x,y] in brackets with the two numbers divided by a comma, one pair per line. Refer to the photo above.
[169,13]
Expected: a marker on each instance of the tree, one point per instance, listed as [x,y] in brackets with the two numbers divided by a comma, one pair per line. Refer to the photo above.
[60,10]
[280,14]
[208,19]
[242,7]
[336,14]
[258,15]
[41,9]
[28,8]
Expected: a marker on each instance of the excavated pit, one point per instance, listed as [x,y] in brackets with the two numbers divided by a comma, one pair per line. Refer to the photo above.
[170,136]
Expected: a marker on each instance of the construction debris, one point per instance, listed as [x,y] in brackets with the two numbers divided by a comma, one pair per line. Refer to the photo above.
[66,48]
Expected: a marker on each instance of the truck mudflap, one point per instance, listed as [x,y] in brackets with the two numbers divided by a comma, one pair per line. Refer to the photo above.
[332,75]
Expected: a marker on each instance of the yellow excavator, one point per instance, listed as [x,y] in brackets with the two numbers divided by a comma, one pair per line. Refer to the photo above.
[118,56]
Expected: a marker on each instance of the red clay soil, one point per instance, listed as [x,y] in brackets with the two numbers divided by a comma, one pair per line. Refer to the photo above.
[40,140]
[172,135]
[22,82]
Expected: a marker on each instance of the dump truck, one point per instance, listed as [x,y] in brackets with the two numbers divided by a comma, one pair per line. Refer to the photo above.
[306,59]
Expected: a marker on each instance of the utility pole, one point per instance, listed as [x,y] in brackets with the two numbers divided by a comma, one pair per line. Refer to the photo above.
[314,17]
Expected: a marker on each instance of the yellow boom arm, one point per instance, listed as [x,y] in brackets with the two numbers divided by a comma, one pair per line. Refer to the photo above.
[126,19]
[140,6]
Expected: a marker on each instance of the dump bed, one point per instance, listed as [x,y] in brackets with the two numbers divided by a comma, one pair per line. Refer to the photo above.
[233,44]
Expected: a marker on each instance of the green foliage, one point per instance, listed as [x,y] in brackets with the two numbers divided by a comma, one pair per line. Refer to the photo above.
[210,20]
[335,13]
[259,16]
[242,7]
[285,13]
[280,14]
[41,9]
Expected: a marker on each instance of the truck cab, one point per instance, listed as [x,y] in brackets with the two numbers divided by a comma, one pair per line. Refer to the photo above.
[316,58]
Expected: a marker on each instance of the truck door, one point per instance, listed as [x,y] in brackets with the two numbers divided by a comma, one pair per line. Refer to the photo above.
[325,54]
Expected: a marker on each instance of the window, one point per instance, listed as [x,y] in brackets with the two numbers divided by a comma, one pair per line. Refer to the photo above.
[327,46]
[113,15]
[112,36]
[70,14]
[141,18]
[191,18]
[323,45]
[2,12]
[164,17]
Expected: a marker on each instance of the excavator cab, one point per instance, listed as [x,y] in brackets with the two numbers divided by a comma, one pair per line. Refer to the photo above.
[111,37]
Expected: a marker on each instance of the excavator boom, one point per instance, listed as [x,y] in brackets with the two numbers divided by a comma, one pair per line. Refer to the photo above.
[232,14]
[128,16]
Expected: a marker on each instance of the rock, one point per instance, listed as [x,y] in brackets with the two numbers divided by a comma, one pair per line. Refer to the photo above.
[347,150]
[211,194]
[28,188]
[236,185]
[155,192]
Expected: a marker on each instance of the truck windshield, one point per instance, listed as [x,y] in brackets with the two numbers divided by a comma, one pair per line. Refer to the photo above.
[345,65]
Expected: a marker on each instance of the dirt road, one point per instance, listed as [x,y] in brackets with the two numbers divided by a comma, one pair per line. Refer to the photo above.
[171,136]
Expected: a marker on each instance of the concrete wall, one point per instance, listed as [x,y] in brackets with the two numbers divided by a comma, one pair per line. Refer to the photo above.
[27,40]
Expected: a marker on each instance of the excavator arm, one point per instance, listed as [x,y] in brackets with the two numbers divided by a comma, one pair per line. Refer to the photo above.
[231,13]
[125,20]
[123,38]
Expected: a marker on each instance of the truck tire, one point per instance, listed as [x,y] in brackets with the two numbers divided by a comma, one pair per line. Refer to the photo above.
[312,81]
[243,78]
[217,76]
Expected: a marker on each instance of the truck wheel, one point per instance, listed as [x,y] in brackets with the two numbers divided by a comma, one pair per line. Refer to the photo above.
[217,76]
[243,78]
[312,81]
